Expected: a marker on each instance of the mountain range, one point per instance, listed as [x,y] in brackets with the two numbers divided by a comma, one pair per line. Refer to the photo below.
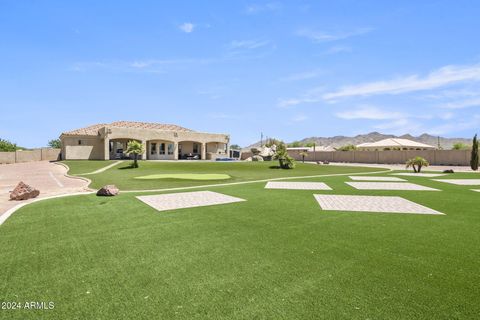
[338,141]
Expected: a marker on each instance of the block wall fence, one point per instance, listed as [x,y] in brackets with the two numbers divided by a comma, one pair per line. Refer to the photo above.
[43,154]
[434,157]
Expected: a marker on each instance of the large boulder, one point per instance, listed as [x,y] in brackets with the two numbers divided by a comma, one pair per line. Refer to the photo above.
[257,158]
[23,192]
[108,191]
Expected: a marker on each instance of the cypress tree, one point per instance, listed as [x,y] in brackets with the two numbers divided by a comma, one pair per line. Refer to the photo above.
[474,158]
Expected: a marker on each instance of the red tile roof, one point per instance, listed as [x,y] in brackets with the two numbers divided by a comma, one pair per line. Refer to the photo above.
[93,129]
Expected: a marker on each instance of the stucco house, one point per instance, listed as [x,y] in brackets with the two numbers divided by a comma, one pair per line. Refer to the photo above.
[160,141]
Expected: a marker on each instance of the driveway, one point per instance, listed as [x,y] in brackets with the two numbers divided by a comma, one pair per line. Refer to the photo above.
[45,176]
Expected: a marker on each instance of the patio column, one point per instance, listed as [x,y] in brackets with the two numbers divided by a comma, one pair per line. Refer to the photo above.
[106,149]
[204,151]
[175,151]
[144,154]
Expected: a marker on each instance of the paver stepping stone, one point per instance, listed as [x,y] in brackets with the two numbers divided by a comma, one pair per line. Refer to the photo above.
[385,204]
[372,178]
[171,201]
[461,182]
[389,186]
[297,185]
[425,175]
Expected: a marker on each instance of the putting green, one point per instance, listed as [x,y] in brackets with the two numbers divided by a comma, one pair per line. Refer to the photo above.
[186,176]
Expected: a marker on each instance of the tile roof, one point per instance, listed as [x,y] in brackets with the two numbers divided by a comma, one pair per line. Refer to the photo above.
[93,129]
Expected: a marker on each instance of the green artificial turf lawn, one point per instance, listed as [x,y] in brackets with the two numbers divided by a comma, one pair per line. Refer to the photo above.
[124,176]
[77,167]
[186,176]
[275,256]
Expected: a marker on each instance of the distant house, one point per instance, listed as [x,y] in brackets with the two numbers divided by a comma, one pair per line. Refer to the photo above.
[311,149]
[160,141]
[394,144]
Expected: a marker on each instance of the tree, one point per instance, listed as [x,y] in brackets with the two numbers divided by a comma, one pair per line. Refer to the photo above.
[235,147]
[135,148]
[474,156]
[272,141]
[303,154]
[417,163]
[460,146]
[310,144]
[348,147]
[284,159]
[295,144]
[55,143]
[7,146]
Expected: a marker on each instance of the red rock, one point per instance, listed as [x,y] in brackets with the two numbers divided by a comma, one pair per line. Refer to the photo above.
[23,192]
[108,191]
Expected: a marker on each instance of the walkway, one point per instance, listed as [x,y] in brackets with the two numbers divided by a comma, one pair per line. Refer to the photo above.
[45,176]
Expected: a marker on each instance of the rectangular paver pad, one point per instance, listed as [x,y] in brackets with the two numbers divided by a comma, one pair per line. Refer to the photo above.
[385,204]
[389,186]
[425,175]
[294,185]
[461,182]
[181,200]
[372,178]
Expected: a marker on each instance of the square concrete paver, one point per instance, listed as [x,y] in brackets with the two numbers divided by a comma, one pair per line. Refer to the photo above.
[171,201]
[389,186]
[372,178]
[425,175]
[371,204]
[461,182]
[297,185]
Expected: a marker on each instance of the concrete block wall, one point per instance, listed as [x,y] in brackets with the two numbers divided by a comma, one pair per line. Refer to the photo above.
[43,154]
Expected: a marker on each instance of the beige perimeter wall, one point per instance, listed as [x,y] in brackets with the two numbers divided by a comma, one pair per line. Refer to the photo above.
[434,157]
[43,154]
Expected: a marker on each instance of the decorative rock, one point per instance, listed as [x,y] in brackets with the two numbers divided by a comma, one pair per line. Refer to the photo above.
[257,158]
[248,159]
[23,192]
[108,191]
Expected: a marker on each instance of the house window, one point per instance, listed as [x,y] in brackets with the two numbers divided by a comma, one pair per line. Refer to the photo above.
[195,148]
[162,148]
[170,148]
[153,148]
[79,142]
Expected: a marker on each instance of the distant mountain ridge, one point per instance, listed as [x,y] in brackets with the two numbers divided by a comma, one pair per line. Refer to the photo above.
[338,141]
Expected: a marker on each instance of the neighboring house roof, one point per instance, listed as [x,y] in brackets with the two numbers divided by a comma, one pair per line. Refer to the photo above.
[93,129]
[395,143]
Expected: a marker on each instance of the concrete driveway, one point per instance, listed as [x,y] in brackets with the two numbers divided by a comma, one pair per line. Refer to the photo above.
[45,176]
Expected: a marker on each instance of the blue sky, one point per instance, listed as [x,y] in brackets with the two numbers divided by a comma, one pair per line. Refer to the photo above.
[289,69]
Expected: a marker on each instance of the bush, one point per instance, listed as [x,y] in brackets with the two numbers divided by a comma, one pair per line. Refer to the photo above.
[348,147]
[7,146]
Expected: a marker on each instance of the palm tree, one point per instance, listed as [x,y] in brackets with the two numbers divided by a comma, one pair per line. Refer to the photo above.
[284,159]
[303,154]
[417,163]
[135,148]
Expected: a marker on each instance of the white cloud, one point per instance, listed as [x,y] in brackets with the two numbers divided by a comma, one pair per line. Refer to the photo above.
[187,27]
[267,7]
[324,36]
[338,49]
[438,78]
[462,104]
[369,113]
[248,44]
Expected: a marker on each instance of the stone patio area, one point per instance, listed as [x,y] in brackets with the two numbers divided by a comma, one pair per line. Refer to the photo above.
[297,185]
[389,186]
[384,204]
[461,182]
[372,178]
[172,201]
